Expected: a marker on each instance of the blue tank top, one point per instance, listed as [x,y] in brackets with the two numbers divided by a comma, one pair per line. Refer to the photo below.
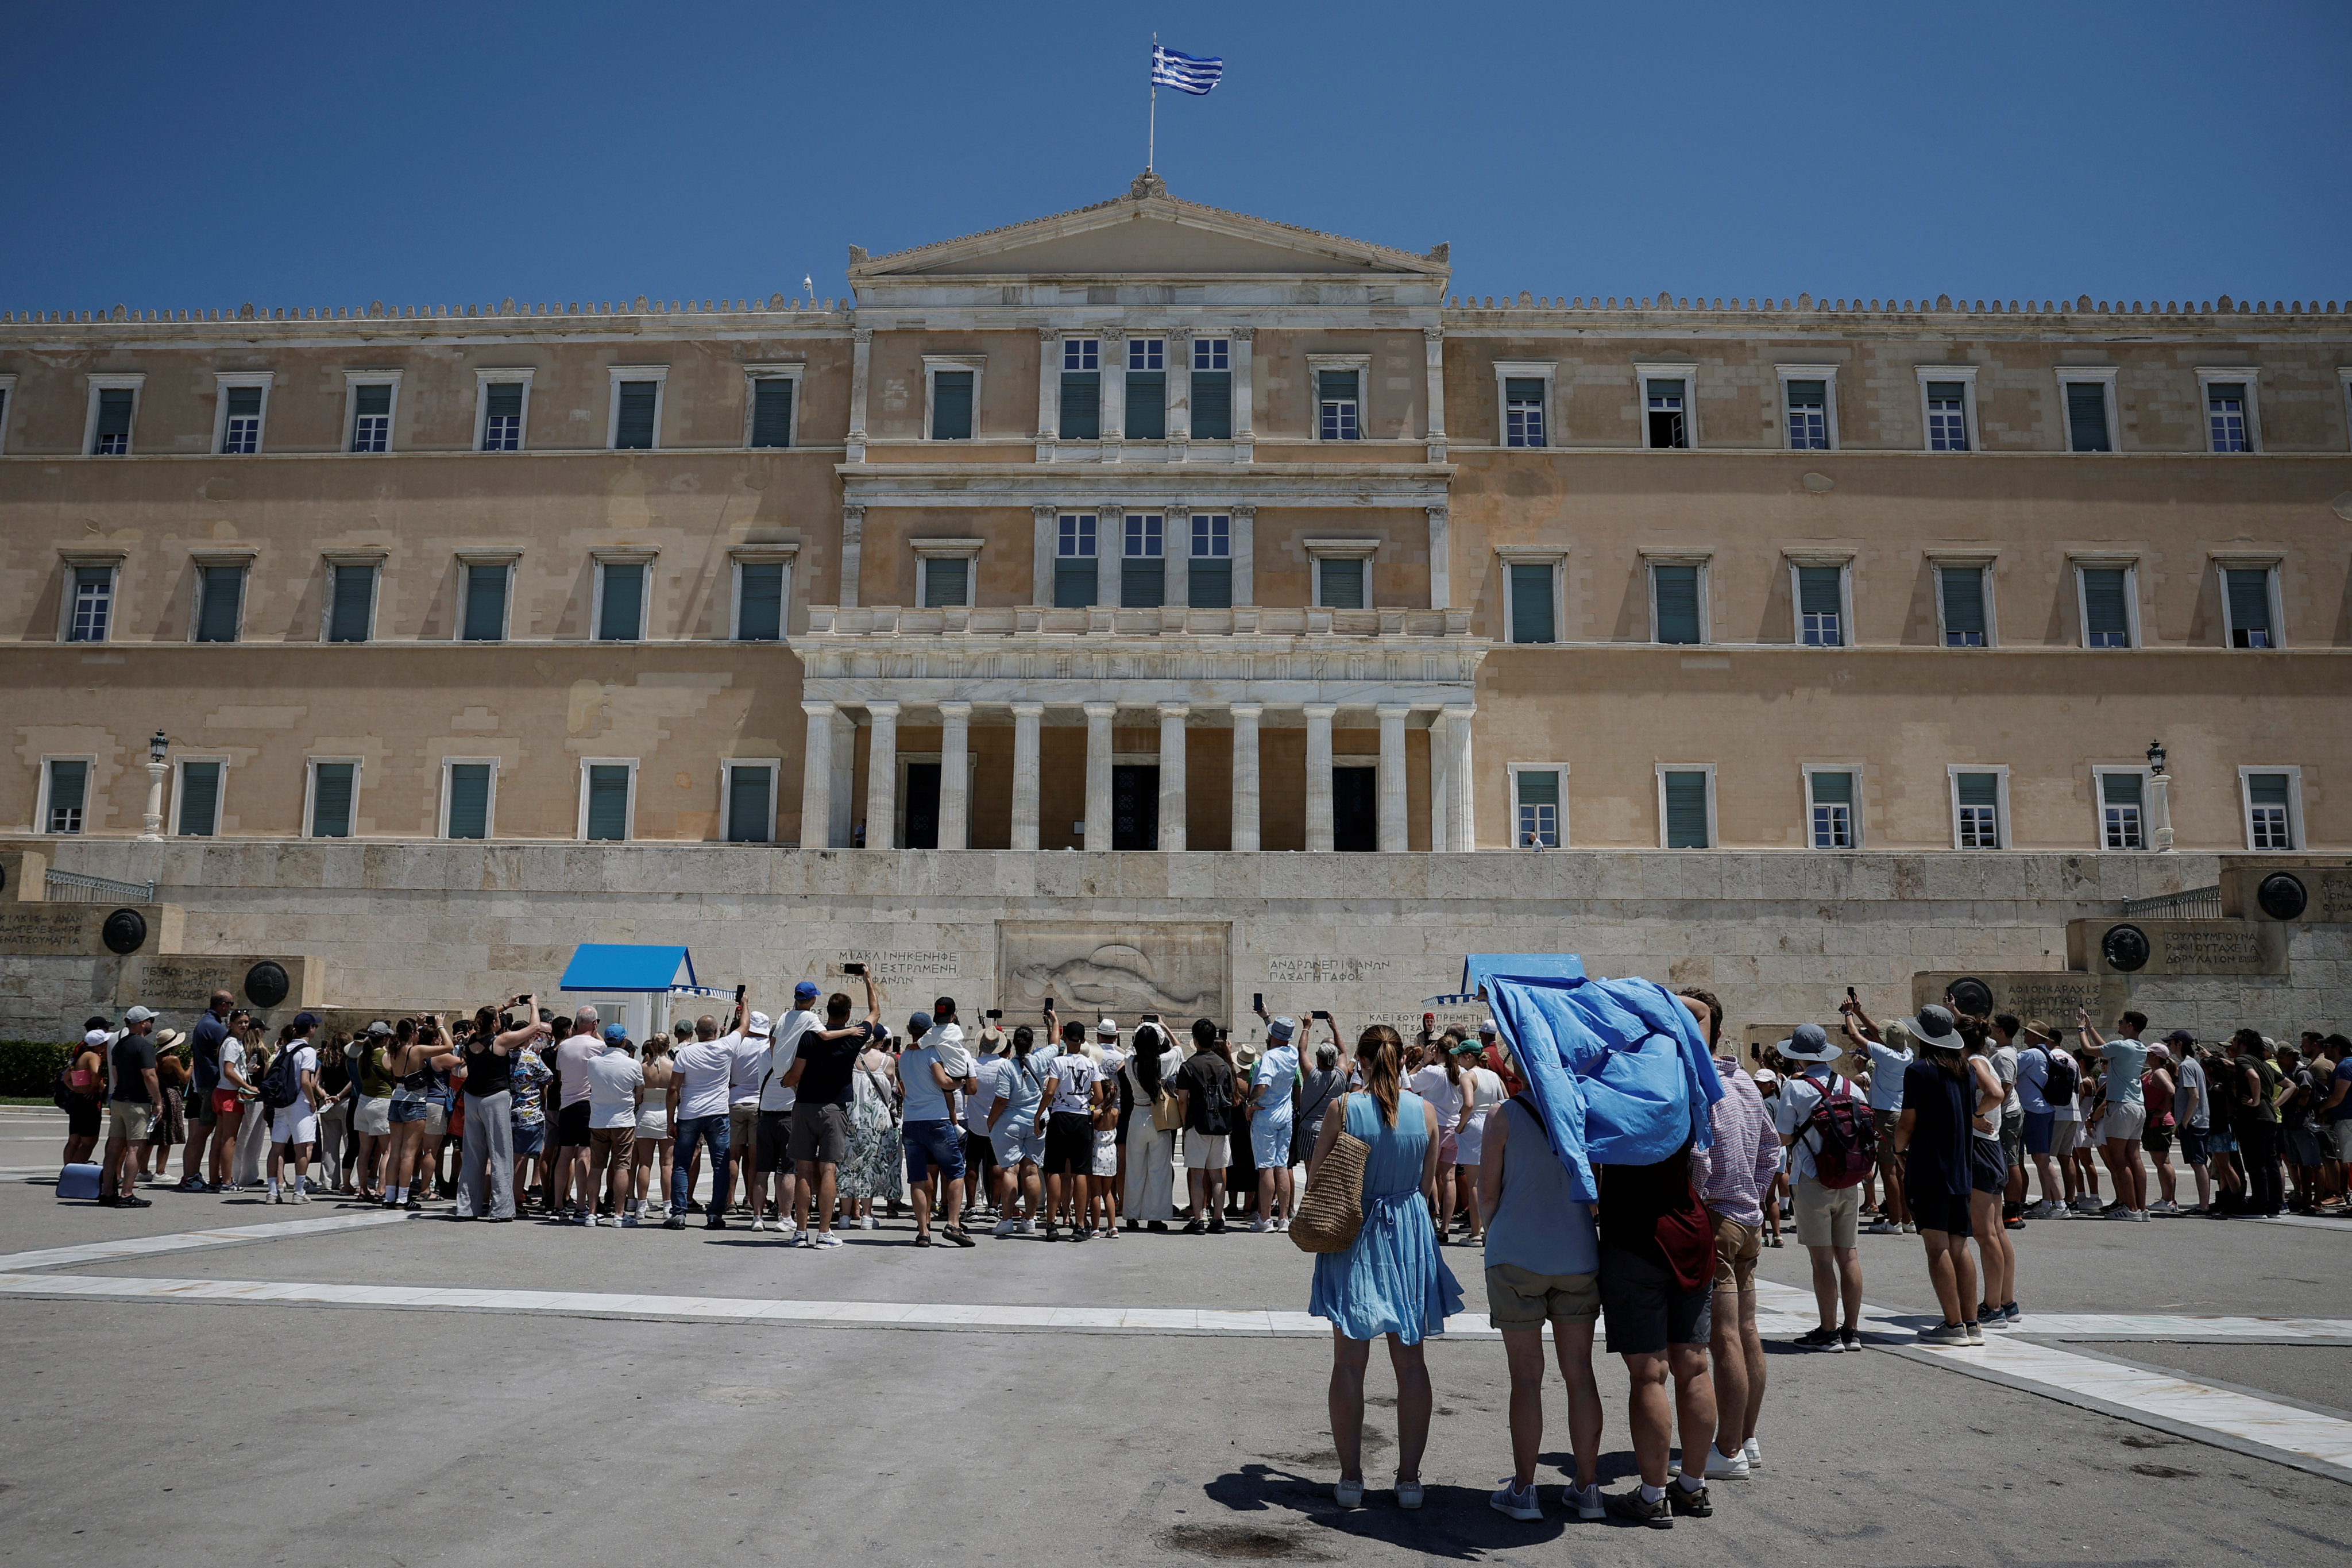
[1539,1225]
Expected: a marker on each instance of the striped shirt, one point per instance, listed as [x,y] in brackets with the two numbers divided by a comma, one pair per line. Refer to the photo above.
[1732,1176]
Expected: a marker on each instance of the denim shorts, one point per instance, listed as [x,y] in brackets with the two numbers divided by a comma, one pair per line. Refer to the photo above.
[1270,1143]
[933,1145]
[529,1139]
[408,1111]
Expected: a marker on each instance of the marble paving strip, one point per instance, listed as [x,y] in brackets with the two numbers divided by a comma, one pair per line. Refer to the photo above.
[182,1241]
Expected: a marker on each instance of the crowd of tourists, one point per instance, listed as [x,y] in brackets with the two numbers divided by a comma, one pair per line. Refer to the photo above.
[823,1118]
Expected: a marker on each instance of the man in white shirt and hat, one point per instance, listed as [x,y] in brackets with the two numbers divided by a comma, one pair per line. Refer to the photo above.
[1827,1217]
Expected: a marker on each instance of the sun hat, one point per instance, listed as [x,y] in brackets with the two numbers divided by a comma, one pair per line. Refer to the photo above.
[1810,1043]
[1280,1031]
[756,1025]
[1934,1030]
[1106,1030]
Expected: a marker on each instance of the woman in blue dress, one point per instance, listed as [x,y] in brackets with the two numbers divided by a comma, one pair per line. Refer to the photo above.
[1391,1282]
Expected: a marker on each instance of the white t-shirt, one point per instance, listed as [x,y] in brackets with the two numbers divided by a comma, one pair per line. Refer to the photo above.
[703,1067]
[2186,1072]
[1444,1096]
[782,1052]
[747,1065]
[572,1060]
[2004,1067]
[1074,1078]
[983,1093]
[232,1056]
[306,1059]
[614,1080]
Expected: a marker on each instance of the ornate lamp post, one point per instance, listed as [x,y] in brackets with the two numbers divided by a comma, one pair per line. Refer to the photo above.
[2159,799]
[159,751]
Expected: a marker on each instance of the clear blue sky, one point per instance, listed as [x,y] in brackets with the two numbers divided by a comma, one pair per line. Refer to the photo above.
[183,156]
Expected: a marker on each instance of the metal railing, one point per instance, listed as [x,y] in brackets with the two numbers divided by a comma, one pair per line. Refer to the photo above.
[2188,904]
[73,887]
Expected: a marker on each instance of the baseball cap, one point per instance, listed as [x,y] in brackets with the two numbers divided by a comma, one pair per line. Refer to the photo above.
[1810,1042]
[1280,1029]
[138,1015]
[379,1028]
[1486,1025]
[943,1006]
[1107,1029]
[302,1020]
[918,1025]
[2180,1038]
[805,991]
[2159,1048]
[757,1023]
[97,1037]
[615,1033]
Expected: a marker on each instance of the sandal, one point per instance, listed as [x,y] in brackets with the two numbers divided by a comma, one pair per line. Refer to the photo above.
[923,1239]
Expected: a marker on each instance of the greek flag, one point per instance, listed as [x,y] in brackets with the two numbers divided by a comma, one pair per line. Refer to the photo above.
[1185,73]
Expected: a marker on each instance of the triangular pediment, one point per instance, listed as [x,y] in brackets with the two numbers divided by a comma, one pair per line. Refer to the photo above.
[1148,233]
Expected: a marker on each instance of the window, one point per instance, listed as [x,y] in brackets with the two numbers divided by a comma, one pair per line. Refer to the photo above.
[951,405]
[2107,608]
[636,408]
[2249,603]
[90,614]
[2274,806]
[242,397]
[1686,807]
[485,617]
[945,570]
[334,789]
[1979,802]
[1143,563]
[1961,609]
[608,788]
[1210,585]
[370,396]
[351,600]
[1212,391]
[1536,801]
[1668,419]
[1337,410]
[68,797]
[2122,794]
[1676,605]
[466,788]
[1147,389]
[1523,392]
[505,399]
[750,802]
[1530,596]
[1821,591]
[2090,397]
[2231,425]
[1073,562]
[1809,406]
[199,796]
[771,396]
[760,589]
[1830,802]
[220,601]
[1947,400]
[111,410]
[1343,572]
[620,610]
[1081,389]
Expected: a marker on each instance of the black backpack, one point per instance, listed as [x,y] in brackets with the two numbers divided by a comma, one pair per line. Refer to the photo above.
[61,1097]
[281,1086]
[2061,1080]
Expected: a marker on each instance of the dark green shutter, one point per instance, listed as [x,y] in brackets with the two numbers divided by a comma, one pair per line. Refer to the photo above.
[1211,582]
[1818,590]
[623,619]
[1808,394]
[224,590]
[485,602]
[760,617]
[354,601]
[1686,811]
[375,398]
[1964,607]
[747,804]
[2103,605]
[505,400]
[331,800]
[945,581]
[1143,582]
[2120,789]
[1073,582]
[1978,789]
[2086,417]
[1539,788]
[1677,590]
[199,799]
[1946,391]
[244,401]
[2266,789]
[1343,585]
[470,800]
[1081,406]
[68,792]
[771,412]
[1213,405]
[1833,789]
[1524,389]
[634,430]
[608,802]
[951,405]
[1146,406]
[2249,605]
[114,404]
[1334,386]
[1530,603]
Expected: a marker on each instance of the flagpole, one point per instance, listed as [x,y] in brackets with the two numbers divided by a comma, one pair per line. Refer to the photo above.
[1152,135]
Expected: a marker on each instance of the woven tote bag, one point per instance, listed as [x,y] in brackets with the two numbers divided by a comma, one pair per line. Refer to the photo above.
[1331,1210]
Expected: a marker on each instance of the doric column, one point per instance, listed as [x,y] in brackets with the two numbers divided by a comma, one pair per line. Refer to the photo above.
[1099,717]
[882,776]
[1461,822]
[1434,340]
[1110,551]
[861,361]
[955,775]
[1113,399]
[816,777]
[1318,775]
[1244,548]
[1171,775]
[1026,771]
[1245,718]
[1049,391]
[853,546]
[1391,780]
[1245,431]
[1440,560]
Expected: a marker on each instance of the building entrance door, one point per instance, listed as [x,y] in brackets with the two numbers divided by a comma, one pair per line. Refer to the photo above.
[1135,807]
[922,805]
[1355,808]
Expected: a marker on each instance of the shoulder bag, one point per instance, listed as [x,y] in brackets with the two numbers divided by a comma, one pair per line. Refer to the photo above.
[1330,1212]
[1167,1114]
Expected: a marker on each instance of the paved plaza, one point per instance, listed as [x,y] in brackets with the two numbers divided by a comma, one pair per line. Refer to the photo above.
[215,1380]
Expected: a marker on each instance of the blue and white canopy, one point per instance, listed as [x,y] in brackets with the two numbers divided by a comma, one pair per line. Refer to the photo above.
[612,966]
[1186,73]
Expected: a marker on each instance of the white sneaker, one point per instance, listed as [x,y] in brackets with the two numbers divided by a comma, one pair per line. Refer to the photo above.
[1519,1505]
[828,1239]
[1409,1494]
[1262,1226]
[1753,1454]
[1881,1228]
[868,1223]
[758,1222]
[1026,1227]
[1723,1466]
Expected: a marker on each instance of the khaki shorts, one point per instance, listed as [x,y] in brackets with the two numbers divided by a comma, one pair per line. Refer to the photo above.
[1827,1217]
[1517,1299]
[129,1120]
[615,1140]
[1737,1248]
[2065,1137]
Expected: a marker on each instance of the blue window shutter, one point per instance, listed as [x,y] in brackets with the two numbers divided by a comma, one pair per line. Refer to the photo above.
[608,802]
[747,804]
[199,799]
[1677,590]
[1213,405]
[2087,418]
[1210,584]
[485,602]
[1073,582]
[224,590]
[623,619]
[634,431]
[331,801]
[946,581]
[1530,604]
[354,601]
[771,412]
[470,800]
[951,405]
[1081,406]
[760,617]
[1686,811]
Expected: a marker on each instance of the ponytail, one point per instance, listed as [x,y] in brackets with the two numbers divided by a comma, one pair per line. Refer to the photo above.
[1023,1038]
[1379,1053]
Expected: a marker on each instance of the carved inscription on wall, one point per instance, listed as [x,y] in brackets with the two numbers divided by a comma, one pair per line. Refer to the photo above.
[1334,970]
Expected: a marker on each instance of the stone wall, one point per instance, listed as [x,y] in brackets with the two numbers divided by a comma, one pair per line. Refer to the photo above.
[395,927]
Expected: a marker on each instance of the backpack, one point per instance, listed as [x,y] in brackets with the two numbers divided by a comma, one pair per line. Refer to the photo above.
[281,1086]
[60,1096]
[2062,1079]
[1849,1150]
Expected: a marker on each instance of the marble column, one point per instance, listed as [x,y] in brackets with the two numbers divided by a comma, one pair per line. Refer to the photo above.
[861,361]
[1434,353]
[1393,837]
[1171,775]
[1245,718]
[1099,717]
[1318,775]
[1110,553]
[852,547]
[955,775]
[816,777]
[1461,820]
[1441,559]
[1244,426]
[1026,773]
[882,776]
